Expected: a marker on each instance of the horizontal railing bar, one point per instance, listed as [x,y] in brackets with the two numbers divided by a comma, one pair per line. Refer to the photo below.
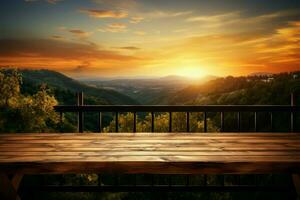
[177,108]
[160,188]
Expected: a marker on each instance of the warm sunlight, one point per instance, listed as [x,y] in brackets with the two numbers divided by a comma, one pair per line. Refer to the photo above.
[193,72]
[149,99]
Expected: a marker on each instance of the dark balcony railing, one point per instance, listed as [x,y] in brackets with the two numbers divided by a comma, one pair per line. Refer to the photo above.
[80,108]
[223,110]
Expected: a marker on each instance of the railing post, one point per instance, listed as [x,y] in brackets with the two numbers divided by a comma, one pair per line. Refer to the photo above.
[100,122]
[222,121]
[80,113]
[117,122]
[134,122]
[271,121]
[293,103]
[170,122]
[187,121]
[239,121]
[255,121]
[205,122]
[61,121]
[152,122]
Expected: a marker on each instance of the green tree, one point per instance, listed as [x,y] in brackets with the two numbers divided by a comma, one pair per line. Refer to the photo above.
[161,123]
[9,88]
[20,113]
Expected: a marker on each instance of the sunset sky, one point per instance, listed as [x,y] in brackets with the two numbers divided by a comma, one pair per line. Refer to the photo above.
[104,38]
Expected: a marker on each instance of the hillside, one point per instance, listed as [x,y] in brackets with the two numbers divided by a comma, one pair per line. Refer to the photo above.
[65,87]
[149,90]
[241,90]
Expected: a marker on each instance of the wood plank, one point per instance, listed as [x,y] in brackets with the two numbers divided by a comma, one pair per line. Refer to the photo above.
[129,141]
[150,153]
[164,140]
[155,153]
[177,147]
[145,135]
[154,165]
[155,144]
[145,158]
[149,147]
[190,149]
[172,137]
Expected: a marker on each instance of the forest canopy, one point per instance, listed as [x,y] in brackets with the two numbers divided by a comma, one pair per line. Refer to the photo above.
[25,113]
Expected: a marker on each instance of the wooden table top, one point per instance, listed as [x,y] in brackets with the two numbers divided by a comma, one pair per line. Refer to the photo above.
[161,153]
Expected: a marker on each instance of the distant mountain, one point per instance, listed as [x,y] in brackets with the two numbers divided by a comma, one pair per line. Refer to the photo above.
[149,90]
[63,84]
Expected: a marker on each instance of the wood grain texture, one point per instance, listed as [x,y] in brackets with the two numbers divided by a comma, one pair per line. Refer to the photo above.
[161,153]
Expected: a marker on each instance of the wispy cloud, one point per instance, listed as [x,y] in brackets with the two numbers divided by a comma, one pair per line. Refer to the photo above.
[237,20]
[214,18]
[176,14]
[180,30]
[121,4]
[166,14]
[136,19]
[61,55]
[131,48]
[285,42]
[139,33]
[114,28]
[79,33]
[105,13]
[49,1]
[57,37]
[53,1]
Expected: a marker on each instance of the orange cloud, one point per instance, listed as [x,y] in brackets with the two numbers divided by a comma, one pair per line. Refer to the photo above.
[236,53]
[114,28]
[57,37]
[72,58]
[104,13]
[166,14]
[136,20]
[79,33]
[118,27]
[140,33]
[132,48]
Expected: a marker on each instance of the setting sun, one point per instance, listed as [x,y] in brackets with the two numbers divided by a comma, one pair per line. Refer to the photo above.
[193,72]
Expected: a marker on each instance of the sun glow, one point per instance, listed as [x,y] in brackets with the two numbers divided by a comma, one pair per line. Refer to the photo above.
[191,72]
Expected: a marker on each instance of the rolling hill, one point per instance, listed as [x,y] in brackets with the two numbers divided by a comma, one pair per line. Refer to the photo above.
[65,87]
[150,90]
[251,90]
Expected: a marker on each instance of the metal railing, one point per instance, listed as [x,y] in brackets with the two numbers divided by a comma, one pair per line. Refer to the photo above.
[80,108]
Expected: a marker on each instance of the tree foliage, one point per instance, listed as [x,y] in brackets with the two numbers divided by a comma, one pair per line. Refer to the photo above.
[21,113]
[161,123]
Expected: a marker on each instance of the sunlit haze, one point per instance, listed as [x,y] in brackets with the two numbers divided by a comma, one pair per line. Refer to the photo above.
[109,38]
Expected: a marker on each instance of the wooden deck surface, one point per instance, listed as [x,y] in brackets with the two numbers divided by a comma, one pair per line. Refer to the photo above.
[161,153]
